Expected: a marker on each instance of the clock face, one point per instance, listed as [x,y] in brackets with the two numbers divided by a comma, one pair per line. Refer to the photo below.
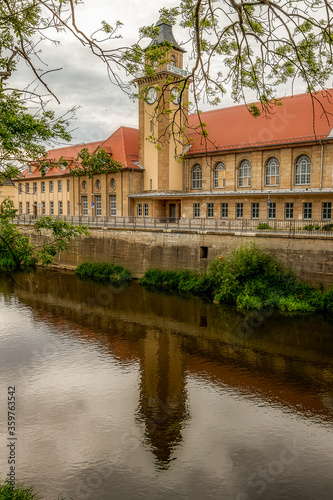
[175,95]
[151,95]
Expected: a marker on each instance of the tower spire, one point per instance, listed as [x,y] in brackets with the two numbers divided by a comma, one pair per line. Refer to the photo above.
[165,35]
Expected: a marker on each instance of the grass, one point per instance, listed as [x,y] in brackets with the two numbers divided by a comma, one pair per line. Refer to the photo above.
[20,492]
[8,492]
[103,273]
[251,279]
[264,225]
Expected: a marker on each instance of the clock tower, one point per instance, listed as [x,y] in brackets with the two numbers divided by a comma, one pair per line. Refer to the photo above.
[161,116]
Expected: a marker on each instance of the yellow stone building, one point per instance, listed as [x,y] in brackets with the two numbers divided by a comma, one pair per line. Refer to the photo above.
[278,166]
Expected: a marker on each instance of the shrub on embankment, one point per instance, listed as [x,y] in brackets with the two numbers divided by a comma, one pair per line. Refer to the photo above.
[250,279]
[20,492]
[103,273]
[8,492]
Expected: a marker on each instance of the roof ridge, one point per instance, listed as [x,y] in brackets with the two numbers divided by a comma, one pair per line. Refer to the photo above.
[123,145]
[293,96]
[76,145]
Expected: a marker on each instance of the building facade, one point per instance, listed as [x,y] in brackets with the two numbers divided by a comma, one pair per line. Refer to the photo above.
[277,166]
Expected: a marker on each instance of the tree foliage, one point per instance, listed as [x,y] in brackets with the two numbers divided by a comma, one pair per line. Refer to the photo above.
[28,126]
[16,249]
[247,49]
[99,162]
[255,45]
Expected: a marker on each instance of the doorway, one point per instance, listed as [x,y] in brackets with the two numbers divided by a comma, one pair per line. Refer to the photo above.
[172,212]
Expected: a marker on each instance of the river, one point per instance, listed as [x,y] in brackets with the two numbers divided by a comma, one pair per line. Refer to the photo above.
[128,394]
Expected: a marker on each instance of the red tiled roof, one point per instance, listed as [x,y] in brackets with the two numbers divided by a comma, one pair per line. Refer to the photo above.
[299,119]
[122,145]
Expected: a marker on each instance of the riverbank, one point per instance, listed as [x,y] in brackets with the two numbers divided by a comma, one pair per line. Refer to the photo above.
[309,257]
[251,279]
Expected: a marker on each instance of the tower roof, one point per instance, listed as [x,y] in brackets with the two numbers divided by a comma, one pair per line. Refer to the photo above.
[165,35]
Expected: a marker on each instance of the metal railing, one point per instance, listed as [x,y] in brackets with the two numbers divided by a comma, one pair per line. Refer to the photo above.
[256,226]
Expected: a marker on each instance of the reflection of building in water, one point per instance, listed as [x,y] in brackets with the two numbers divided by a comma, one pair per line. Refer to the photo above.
[287,361]
[162,405]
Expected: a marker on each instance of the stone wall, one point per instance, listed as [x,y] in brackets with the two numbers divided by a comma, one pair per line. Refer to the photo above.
[311,258]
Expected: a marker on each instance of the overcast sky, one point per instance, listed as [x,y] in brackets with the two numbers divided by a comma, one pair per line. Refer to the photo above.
[83,80]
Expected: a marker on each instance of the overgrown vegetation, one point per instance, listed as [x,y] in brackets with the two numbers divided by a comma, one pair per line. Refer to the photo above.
[16,249]
[250,279]
[264,225]
[20,492]
[8,492]
[103,273]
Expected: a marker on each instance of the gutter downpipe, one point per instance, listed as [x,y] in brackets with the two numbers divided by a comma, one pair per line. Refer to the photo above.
[185,180]
[321,164]
[122,193]
[129,193]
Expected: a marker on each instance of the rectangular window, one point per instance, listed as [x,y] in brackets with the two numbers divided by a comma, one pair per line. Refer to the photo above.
[139,209]
[210,210]
[327,210]
[20,188]
[35,187]
[43,186]
[113,205]
[60,186]
[289,210]
[27,188]
[51,186]
[272,210]
[68,208]
[43,207]
[28,207]
[307,210]
[145,210]
[60,207]
[239,210]
[98,201]
[196,210]
[224,210]
[84,205]
[255,210]
[51,208]
[21,207]
[68,185]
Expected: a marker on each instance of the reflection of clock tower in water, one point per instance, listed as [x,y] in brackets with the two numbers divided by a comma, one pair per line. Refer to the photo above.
[162,170]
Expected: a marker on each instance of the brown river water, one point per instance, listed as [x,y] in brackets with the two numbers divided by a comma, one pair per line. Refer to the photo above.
[128,394]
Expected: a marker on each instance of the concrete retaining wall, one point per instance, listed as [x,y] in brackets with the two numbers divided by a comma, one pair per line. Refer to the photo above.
[311,258]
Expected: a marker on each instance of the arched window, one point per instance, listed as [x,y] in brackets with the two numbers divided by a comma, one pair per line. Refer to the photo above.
[173,60]
[219,175]
[303,170]
[272,172]
[196,177]
[244,176]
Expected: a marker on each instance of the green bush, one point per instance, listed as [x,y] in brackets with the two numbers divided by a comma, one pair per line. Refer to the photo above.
[103,273]
[250,279]
[327,227]
[263,225]
[309,227]
[20,492]
[8,492]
